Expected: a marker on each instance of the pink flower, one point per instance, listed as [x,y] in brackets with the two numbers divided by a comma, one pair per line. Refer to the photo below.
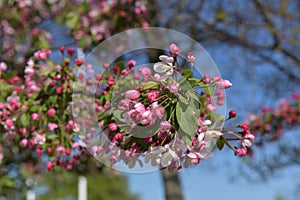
[146,72]
[79,61]
[146,118]
[124,72]
[240,152]
[165,126]
[110,80]
[206,79]
[174,87]
[3,66]
[39,139]
[192,158]
[159,112]
[244,126]
[23,142]
[152,96]
[2,105]
[52,126]
[132,94]
[51,112]
[124,104]
[224,84]
[8,124]
[118,137]
[112,126]
[174,50]
[49,166]
[211,107]
[60,150]
[131,64]
[139,107]
[191,58]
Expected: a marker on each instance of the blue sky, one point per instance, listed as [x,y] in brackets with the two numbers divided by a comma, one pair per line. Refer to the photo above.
[211,180]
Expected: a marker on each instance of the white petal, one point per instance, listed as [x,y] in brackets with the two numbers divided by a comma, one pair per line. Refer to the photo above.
[166,159]
[170,72]
[161,67]
[166,59]
[214,133]
[201,136]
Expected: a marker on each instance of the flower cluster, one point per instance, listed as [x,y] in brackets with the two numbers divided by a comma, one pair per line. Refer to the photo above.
[161,115]
[89,22]
[270,124]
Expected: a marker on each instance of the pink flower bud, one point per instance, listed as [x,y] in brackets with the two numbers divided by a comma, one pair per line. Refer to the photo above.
[131,64]
[206,79]
[232,114]
[23,142]
[118,137]
[244,126]
[49,166]
[112,126]
[110,80]
[70,51]
[174,50]
[51,112]
[224,84]
[52,126]
[152,96]
[3,66]
[240,152]
[132,94]
[34,116]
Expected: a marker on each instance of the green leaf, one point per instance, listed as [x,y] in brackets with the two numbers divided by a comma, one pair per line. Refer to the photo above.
[182,99]
[44,43]
[150,85]
[35,108]
[207,89]
[118,115]
[52,136]
[220,144]
[193,82]
[24,119]
[188,73]
[186,118]
[72,19]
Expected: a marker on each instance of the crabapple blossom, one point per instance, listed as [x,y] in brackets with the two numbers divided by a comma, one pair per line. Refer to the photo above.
[52,126]
[224,84]
[191,58]
[146,72]
[51,112]
[3,66]
[152,96]
[174,87]
[132,94]
[174,50]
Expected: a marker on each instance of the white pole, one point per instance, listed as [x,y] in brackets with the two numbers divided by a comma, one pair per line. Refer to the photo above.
[82,188]
[30,195]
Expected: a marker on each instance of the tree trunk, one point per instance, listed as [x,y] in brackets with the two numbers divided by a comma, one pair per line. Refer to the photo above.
[172,185]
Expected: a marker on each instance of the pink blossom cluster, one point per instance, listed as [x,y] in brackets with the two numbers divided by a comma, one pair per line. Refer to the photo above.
[152,98]
[270,124]
[37,111]
[93,22]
